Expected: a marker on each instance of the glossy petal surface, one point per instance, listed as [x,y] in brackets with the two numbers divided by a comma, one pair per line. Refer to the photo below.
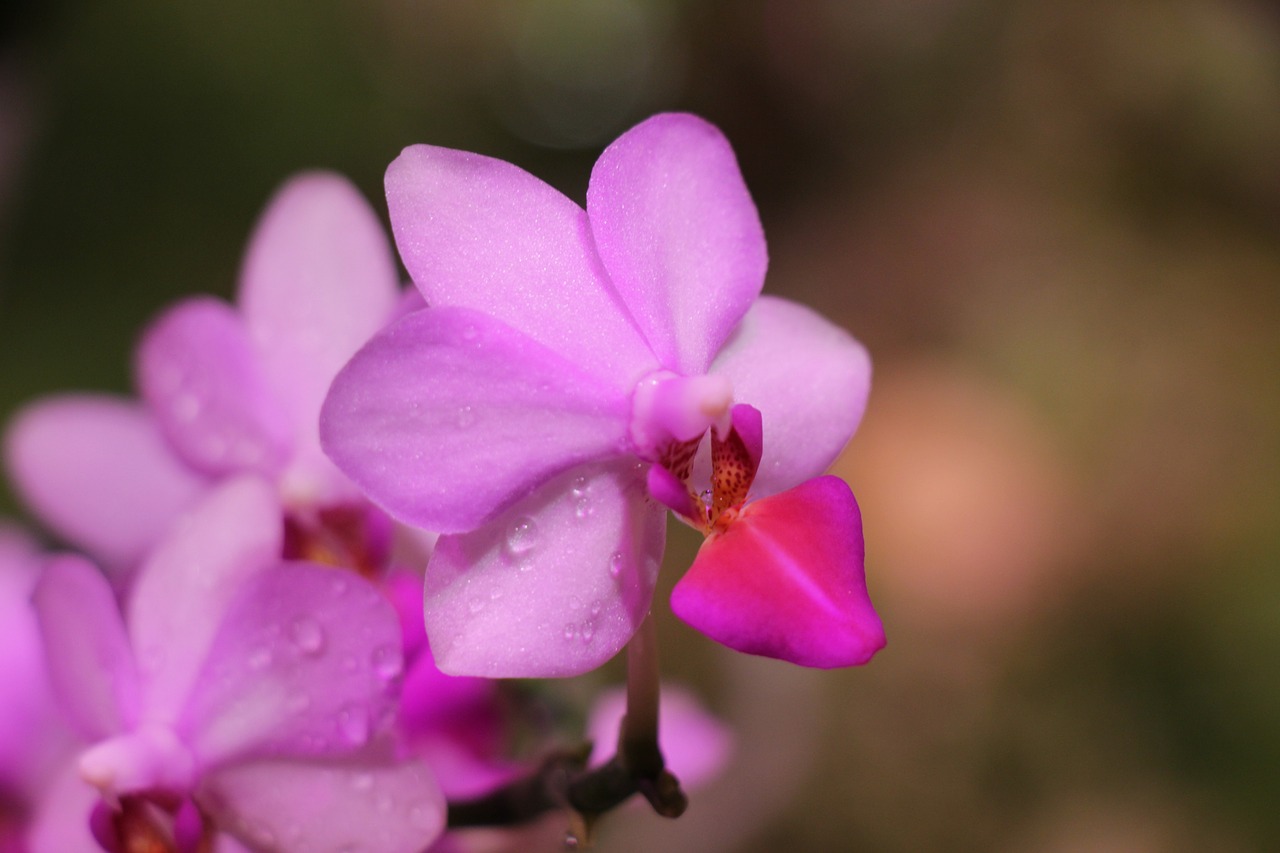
[679,234]
[808,377]
[785,580]
[301,665]
[90,663]
[479,233]
[449,415]
[373,807]
[98,472]
[202,378]
[182,593]
[555,586]
[319,280]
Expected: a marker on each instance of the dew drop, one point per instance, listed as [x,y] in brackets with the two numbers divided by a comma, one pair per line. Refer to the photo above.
[466,417]
[362,781]
[386,662]
[353,722]
[521,538]
[596,607]
[583,509]
[475,605]
[575,603]
[570,631]
[615,563]
[307,635]
[588,631]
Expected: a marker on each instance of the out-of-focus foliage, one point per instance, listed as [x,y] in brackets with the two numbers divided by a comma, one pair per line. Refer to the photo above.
[1056,227]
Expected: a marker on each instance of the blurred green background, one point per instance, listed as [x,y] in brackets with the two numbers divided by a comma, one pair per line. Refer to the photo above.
[1056,227]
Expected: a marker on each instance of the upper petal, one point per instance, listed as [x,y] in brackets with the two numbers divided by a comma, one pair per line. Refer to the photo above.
[679,234]
[90,663]
[555,586]
[785,580]
[449,415]
[808,377]
[98,472]
[204,382]
[368,805]
[481,233]
[319,279]
[302,665]
[181,594]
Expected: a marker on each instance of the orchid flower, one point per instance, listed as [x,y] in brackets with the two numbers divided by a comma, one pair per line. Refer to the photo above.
[227,390]
[240,694]
[566,371]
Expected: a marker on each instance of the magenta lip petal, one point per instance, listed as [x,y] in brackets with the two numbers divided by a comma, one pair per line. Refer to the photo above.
[366,804]
[448,416]
[679,235]
[785,580]
[303,664]
[91,666]
[808,377]
[555,586]
[181,593]
[202,379]
[479,233]
[96,470]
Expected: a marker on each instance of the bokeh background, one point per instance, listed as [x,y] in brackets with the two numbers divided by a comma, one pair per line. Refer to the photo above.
[1055,225]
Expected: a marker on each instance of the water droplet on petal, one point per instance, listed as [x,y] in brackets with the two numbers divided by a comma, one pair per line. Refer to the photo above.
[588,631]
[353,722]
[475,605]
[570,631]
[307,635]
[521,538]
[615,563]
[466,417]
[386,662]
[362,781]
[575,603]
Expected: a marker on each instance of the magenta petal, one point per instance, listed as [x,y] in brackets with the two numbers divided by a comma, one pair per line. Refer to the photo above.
[90,663]
[679,234]
[785,580]
[203,380]
[450,415]
[479,233]
[61,822]
[808,377]
[555,586]
[695,745]
[371,806]
[98,472]
[181,594]
[302,665]
[319,280]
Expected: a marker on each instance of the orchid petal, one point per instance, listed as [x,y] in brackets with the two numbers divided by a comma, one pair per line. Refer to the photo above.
[61,822]
[448,416]
[553,587]
[808,377]
[202,379]
[695,745]
[374,807]
[479,233]
[785,580]
[90,663]
[302,665]
[679,234]
[462,710]
[182,592]
[319,280]
[97,471]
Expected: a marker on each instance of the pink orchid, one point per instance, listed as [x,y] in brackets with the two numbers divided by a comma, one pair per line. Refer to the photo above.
[226,390]
[569,364]
[240,693]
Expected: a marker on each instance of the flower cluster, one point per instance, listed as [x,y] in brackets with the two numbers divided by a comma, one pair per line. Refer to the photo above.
[330,494]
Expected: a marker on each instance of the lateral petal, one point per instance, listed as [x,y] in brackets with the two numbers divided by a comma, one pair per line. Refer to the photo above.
[203,381]
[96,470]
[679,235]
[785,580]
[448,416]
[303,664]
[808,377]
[554,586]
[479,233]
